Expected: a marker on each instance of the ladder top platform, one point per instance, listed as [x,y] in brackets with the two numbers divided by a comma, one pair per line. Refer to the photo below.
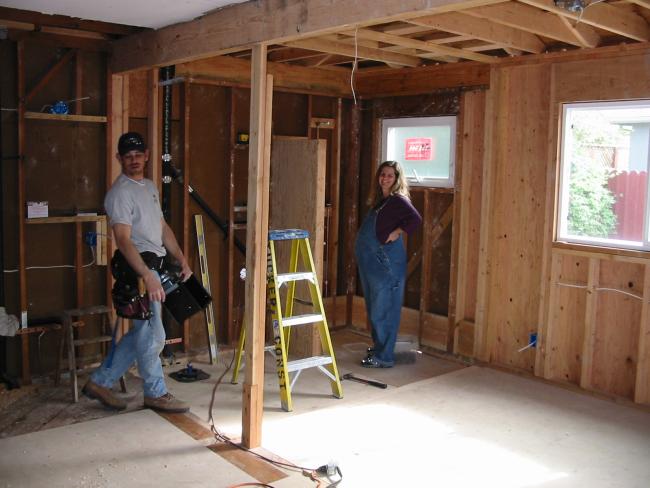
[287,234]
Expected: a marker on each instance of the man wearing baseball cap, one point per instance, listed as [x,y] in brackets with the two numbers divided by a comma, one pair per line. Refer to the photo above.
[142,238]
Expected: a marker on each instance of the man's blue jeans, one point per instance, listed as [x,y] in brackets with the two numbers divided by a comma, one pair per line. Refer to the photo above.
[143,343]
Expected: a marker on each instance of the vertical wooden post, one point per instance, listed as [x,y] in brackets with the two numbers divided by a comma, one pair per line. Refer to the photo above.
[117,123]
[79,73]
[642,382]
[256,245]
[427,258]
[545,346]
[493,128]
[352,209]
[26,374]
[79,265]
[154,168]
[335,196]
[231,220]
[591,308]
[185,130]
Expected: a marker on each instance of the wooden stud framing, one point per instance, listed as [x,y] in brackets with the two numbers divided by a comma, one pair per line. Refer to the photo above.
[493,123]
[335,195]
[222,31]
[256,245]
[545,347]
[154,168]
[79,82]
[351,209]
[231,218]
[586,372]
[185,130]
[425,275]
[49,75]
[20,47]
[642,380]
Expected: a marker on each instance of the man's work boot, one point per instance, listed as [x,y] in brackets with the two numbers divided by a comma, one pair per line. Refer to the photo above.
[166,403]
[104,395]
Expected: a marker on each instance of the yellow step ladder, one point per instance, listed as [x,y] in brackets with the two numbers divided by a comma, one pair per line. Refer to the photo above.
[283,321]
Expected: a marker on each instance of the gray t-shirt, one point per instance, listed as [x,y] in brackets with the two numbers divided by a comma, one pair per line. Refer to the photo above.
[136,203]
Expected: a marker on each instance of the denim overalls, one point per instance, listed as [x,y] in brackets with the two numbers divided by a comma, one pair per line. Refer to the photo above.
[382,268]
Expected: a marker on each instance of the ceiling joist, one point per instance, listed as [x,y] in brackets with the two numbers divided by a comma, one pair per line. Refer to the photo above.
[427,47]
[536,21]
[460,23]
[362,52]
[603,16]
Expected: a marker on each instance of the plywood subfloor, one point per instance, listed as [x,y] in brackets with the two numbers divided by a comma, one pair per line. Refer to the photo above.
[437,424]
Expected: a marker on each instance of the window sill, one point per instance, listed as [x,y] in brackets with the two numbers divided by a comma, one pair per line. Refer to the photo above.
[601,252]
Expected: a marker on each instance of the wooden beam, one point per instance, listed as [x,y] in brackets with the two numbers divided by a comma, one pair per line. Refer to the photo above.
[70,118]
[413,81]
[531,19]
[460,23]
[256,245]
[32,17]
[49,75]
[62,41]
[360,52]
[585,34]
[421,45]
[238,71]
[603,16]
[273,21]
[641,3]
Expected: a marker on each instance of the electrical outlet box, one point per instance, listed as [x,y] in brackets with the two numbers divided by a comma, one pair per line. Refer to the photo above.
[532,339]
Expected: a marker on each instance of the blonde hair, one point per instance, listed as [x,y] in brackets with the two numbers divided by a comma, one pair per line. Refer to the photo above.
[400,187]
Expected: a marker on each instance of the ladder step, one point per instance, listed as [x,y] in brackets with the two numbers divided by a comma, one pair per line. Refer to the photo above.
[287,234]
[309,318]
[287,277]
[300,364]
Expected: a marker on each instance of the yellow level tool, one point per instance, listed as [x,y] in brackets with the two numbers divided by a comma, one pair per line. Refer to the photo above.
[283,321]
[205,280]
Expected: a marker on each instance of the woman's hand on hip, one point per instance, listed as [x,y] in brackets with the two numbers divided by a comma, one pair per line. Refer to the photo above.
[393,236]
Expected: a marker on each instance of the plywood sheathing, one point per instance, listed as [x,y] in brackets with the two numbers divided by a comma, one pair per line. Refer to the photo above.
[586,336]
[298,201]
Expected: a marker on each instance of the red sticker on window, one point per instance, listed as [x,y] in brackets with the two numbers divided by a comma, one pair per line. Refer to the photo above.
[418,149]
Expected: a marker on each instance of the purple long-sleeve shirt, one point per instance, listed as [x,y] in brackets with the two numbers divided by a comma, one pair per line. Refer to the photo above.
[396,211]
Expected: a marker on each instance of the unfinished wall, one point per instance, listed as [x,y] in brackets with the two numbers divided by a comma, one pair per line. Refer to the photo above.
[593,338]
[63,164]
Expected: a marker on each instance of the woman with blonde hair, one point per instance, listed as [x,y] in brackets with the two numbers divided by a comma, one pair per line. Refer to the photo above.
[381,258]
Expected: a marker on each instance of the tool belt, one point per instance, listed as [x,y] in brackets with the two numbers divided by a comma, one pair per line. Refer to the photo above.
[129,301]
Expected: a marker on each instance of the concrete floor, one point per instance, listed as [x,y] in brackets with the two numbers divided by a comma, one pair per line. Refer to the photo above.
[438,424]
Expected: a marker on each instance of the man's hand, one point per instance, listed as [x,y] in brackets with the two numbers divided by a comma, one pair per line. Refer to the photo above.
[154,288]
[186,272]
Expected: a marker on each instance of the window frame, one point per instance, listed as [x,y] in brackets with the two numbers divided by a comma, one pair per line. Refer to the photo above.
[563,185]
[433,120]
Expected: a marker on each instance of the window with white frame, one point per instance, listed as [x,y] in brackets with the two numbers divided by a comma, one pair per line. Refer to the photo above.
[603,197]
[424,146]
